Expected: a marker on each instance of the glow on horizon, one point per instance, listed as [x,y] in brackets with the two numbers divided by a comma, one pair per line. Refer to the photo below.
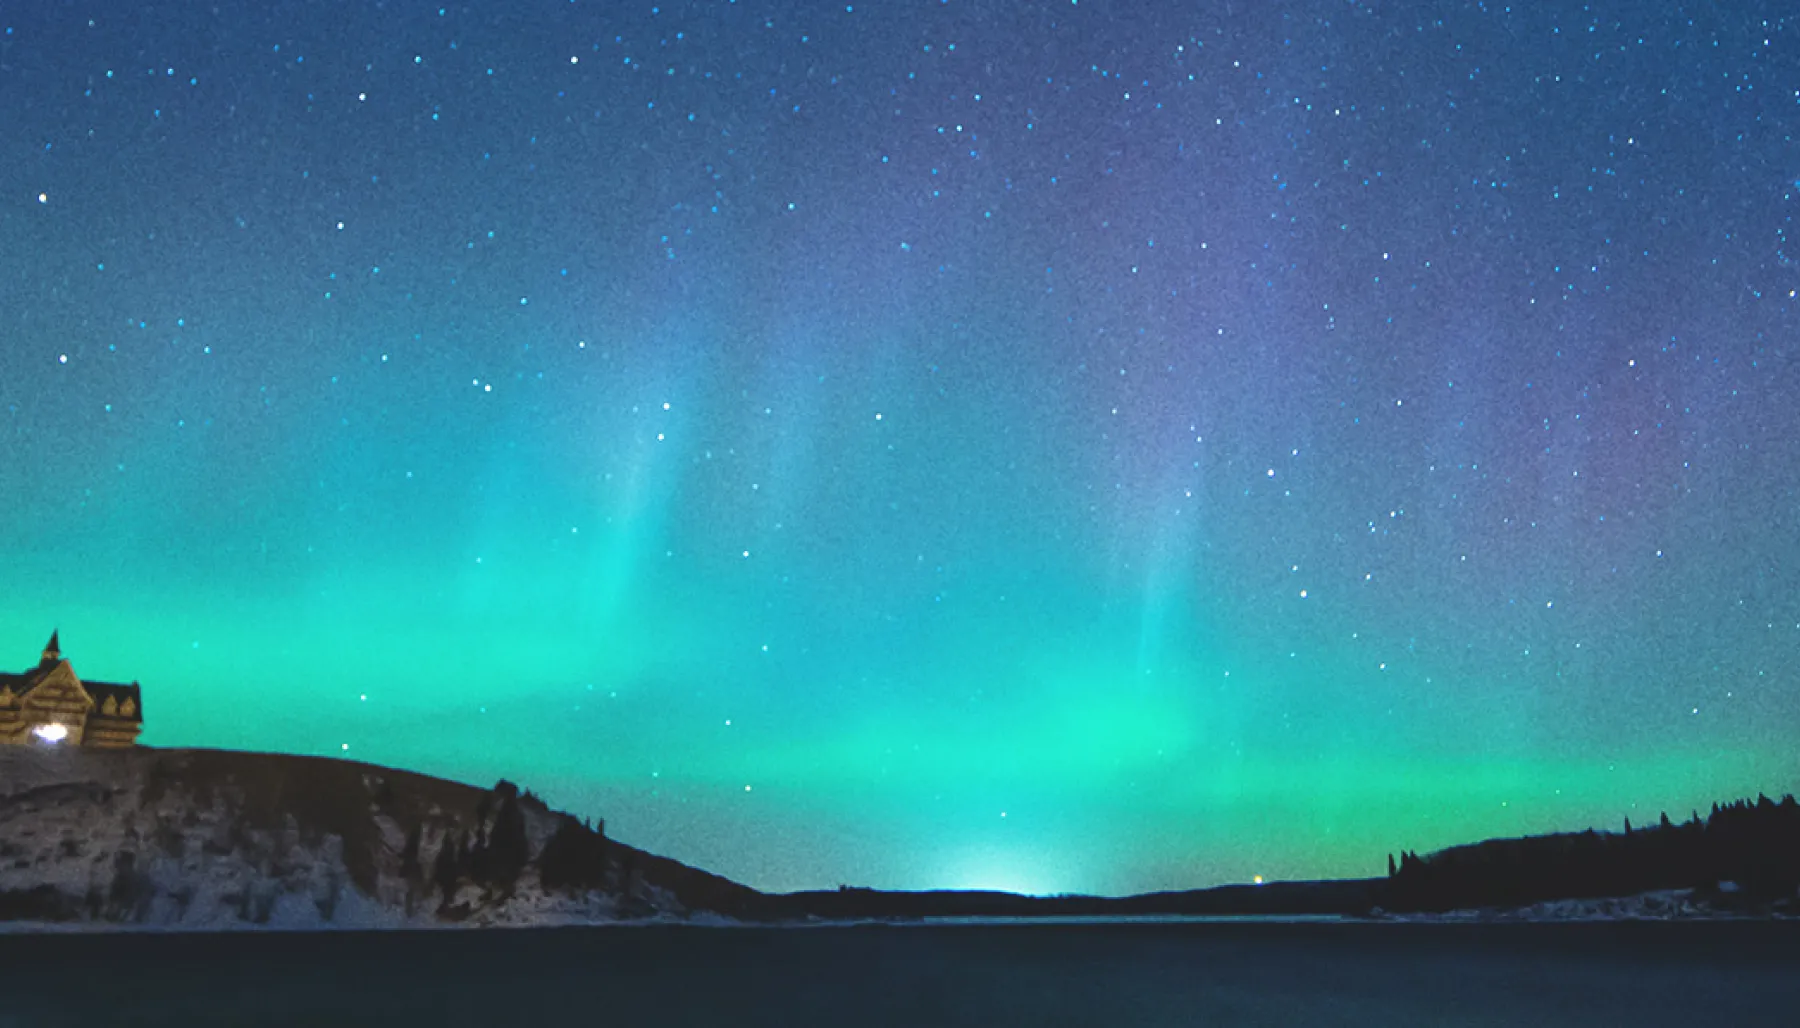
[1018,872]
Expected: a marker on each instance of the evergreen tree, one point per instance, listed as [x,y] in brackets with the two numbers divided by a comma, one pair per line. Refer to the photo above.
[1754,843]
[447,868]
[574,858]
[409,855]
[507,847]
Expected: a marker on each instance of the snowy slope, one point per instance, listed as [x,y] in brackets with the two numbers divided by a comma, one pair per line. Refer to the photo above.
[207,839]
[1662,905]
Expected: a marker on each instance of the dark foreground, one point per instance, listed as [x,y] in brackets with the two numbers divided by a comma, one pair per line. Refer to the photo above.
[1745,973]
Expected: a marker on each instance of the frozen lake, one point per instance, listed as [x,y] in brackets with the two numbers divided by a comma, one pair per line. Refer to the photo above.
[1268,973]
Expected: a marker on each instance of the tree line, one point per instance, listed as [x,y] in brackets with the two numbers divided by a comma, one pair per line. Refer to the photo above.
[496,849]
[1754,845]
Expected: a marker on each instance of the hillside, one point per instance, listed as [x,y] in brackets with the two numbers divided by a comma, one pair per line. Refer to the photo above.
[213,839]
[1745,856]
[216,839]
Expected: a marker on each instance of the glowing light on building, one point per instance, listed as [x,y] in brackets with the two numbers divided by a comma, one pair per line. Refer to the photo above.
[51,733]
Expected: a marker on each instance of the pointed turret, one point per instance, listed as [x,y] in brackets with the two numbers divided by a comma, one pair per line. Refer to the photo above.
[52,651]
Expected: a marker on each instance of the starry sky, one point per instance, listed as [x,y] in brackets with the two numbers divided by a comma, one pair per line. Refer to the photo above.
[1056,447]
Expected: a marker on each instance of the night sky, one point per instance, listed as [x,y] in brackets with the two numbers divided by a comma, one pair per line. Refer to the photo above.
[1056,447]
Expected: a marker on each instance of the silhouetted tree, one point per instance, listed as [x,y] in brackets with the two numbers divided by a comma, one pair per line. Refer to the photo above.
[447,869]
[508,847]
[500,851]
[1756,845]
[409,854]
[575,857]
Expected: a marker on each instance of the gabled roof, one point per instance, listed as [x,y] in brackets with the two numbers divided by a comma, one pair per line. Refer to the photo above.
[100,691]
[24,682]
[27,681]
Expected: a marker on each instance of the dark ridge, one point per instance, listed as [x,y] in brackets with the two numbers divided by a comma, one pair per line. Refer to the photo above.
[1753,846]
[1744,854]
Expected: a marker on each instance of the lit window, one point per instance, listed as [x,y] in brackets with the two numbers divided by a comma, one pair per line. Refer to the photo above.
[51,733]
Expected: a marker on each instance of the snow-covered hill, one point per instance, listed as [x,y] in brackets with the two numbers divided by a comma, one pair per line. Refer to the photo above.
[1660,905]
[210,839]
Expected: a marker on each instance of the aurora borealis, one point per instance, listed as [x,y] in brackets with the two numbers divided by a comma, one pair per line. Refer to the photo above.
[1059,447]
